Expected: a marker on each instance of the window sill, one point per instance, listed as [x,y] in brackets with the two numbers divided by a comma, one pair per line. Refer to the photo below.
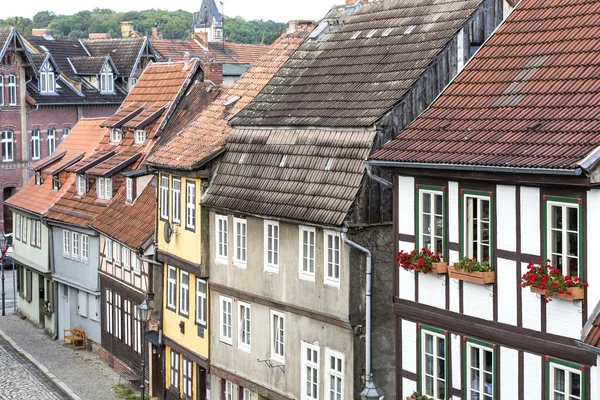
[481,278]
[223,261]
[309,278]
[245,349]
[334,284]
[226,341]
[239,264]
[272,269]
[577,293]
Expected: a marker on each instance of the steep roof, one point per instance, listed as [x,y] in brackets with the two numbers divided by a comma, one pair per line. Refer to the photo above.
[61,50]
[82,140]
[125,52]
[527,99]
[169,49]
[235,53]
[5,34]
[359,69]
[90,65]
[209,130]
[208,11]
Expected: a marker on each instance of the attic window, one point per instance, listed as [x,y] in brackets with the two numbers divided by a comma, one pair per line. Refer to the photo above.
[81,185]
[387,32]
[44,48]
[107,84]
[410,29]
[231,102]
[129,190]
[47,79]
[38,178]
[283,159]
[140,136]
[242,158]
[116,135]
[104,188]
[319,31]
[371,33]
[328,164]
[357,34]
[55,182]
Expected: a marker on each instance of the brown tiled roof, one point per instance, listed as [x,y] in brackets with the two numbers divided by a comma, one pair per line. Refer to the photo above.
[529,98]
[348,79]
[114,164]
[130,224]
[94,159]
[593,335]
[38,199]
[123,51]
[209,130]
[4,35]
[242,53]
[64,163]
[253,178]
[174,49]
[88,65]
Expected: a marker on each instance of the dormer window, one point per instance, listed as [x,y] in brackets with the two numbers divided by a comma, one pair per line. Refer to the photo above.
[140,136]
[39,180]
[129,190]
[55,182]
[107,84]
[47,79]
[104,188]
[116,135]
[81,185]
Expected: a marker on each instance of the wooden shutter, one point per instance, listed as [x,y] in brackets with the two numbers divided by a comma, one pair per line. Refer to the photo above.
[29,286]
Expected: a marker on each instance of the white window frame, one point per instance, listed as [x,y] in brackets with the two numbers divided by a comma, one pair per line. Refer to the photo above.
[190,193]
[568,372]
[226,319]
[12,90]
[240,242]
[429,231]
[187,374]
[118,314]
[17,226]
[171,288]
[85,247]
[35,144]
[184,293]
[164,197]
[469,241]
[104,188]
[126,257]
[129,189]
[481,390]
[277,329]
[176,200]
[246,394]
[81,185]
[96,307]
[82,300]
[117,253]
[221,232]
[137,265]
[307,367]
[305,259]
[66,132]
[25,225]
[38,236]
[140,136]
[435,358]
[51,136]
[228,390]
[8,146]
[107,84]
[1,90]
[244,326]
[174,369]
[127,318]
[333,260]
[109,311]
[563,253]
[108,243]
[271,246]
[75,250]
[47,79]
[334,373]
[66,243]
[201,305]
[116,135]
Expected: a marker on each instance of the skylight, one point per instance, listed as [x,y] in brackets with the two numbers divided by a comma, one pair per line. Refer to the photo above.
[242,158]
[410,29]
[328,164]
[283,159]
[356,34]
[387,32]
[371,33]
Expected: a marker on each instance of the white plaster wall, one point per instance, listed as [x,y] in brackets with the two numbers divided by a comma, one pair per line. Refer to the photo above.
[432,290]
[406,278]
[507,217]
[408,387]
[453,226]
[532,374]
[409,346]
[563,318]
[406,205]
[532,315]
[477,301]
[454,295]
[593,238]
[507,291]
[509,380]
[594,371]
[530,220]
[456,368]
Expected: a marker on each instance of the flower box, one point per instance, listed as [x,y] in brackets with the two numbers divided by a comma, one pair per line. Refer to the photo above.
[438,268]
[480,278]
[576,293]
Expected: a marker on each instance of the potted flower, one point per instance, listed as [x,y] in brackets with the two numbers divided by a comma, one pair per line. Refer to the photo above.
[417,396]
[47,310]
[424,261]
[548,281]
[473,270]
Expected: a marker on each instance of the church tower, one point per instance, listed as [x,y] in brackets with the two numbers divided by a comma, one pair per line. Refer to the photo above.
[209,20]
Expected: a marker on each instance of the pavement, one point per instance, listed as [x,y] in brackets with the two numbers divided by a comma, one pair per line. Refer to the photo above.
[33,366]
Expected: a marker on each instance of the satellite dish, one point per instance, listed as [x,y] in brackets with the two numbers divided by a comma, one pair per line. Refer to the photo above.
[167,231]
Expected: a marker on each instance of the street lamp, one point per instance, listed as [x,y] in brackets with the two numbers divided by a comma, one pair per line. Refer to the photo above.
[371,391]
[144,312]
[3,250]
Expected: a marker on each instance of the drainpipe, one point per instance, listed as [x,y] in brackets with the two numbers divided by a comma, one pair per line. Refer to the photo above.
[370,388]
[52,270]
[148,260]
[376,178]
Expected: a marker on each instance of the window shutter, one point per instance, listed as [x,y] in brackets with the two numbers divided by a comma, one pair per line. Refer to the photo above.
[50,291]
[29,286]
[19,280]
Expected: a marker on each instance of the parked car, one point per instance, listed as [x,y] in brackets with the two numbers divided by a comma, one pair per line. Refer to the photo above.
[8,260]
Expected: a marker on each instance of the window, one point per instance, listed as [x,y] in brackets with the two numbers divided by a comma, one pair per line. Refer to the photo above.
[82,300]
[81,185]
[108,246]
[117,253]
[277,336]
[38,233]
[172,288]
[221,221]
[126,258]
[104,189]
[129,190]
[477,225]
[332,258]
[174,369]
[239,241]
[176,200]
[94,307]
[66,243]
[75,244]
[431,218]
[107,84]
[567,380]
[47,78]
[56,182]
[190,216]
[35,144]
[272,246]
[116,135]
[201,302]
[564,245]
[480,370]
[307,253]
[118,320]
[85,247]
[38,178]
[246,394]
[18,226]
[137,328]
[334,367]
[25,223]
[187,378]
[184,293]
[164,197]
[310,371]
[225,319]
[228,390]
[66,132]
[244,326]
[1,90]
[140,136]
[51,141]
[137,265]
[109,312]
[7,146]
[12,90]
[127,313]
[433,368]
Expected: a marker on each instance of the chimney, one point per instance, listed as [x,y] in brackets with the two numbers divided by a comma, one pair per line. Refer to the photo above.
[41,32]
[99,36]
[201,37]
[156,32]
[296,25]
[126,29]
[213,71]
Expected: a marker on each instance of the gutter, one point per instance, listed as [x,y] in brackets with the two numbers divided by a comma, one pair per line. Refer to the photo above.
[148,260]
[52,271]
[384,182]
[587,347]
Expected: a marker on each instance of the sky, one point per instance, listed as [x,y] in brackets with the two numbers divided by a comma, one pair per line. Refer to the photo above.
[276,10]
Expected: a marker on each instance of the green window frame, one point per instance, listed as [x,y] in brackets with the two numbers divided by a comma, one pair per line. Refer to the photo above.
[564,203]
[433,352]
[478,384]
[421,191]
[480,196]
[569,368]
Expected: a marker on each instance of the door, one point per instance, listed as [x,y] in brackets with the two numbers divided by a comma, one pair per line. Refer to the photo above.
[201,382]
[66,315]
[40,300]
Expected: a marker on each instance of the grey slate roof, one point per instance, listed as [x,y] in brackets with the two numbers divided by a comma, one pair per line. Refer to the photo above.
[88,65]
[354,74]
[61,50]
[208,11]
[124,51]
[5,33]
[253,180]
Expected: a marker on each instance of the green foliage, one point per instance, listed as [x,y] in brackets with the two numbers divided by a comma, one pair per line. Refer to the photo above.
[125,393]
[175,25]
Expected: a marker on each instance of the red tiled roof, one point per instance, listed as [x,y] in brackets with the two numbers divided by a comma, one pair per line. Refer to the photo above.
[114,164]
[529,97]
[175,49]
[246,53]
[209,130]
[593,336]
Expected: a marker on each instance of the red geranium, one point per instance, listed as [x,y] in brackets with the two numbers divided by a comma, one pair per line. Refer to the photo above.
[418,261]
[544,276]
